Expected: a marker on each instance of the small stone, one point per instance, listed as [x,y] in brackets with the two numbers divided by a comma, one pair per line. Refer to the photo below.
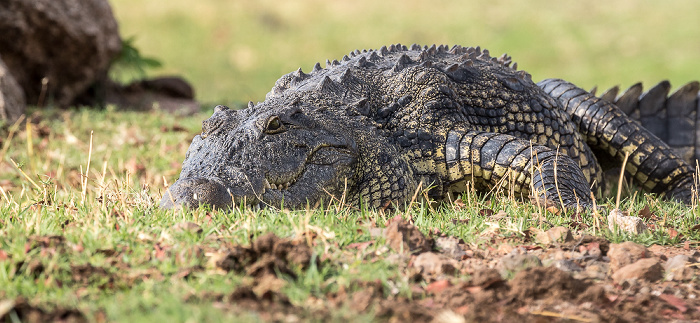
[623,254]
[188,226]
[567,266]
[631,224]
[432,264]
[677,269]
[405,237]
[450,247]
[486,277]
[515,262]
[554,236]
[597,270]
[648,269]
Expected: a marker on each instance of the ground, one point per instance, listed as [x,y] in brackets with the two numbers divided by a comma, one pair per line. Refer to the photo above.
[82,239]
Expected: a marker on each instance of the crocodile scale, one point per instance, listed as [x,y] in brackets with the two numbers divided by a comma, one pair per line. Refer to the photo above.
[380,126]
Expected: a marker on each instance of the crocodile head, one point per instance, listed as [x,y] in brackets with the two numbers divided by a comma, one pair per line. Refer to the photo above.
[277,153]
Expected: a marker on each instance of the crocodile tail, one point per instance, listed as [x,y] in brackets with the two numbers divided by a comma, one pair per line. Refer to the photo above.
[655,165]
[673,117]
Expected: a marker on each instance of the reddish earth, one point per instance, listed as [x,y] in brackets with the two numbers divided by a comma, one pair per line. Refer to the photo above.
[553,275]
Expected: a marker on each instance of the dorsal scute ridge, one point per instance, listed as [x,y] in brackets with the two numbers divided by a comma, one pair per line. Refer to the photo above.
[384,50]
[299,74]
[395,58]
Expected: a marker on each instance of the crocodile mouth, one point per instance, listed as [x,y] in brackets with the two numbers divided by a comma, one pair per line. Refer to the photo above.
[320,155]
[282,183]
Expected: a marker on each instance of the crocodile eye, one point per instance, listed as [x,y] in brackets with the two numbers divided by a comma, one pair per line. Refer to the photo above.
[274,125]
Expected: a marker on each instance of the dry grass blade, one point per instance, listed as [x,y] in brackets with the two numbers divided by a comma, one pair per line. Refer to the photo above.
[84,180]
[620,180]
[25,175]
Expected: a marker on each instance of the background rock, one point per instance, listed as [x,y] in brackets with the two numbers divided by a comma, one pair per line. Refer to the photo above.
[623,254]
[67,43]
[405,237]
[12,101]
[172,94]
[648,269]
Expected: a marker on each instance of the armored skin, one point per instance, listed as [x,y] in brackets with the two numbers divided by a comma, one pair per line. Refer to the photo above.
[380,125]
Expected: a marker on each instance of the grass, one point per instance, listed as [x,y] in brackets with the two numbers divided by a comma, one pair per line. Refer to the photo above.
[96,241]
[92,237]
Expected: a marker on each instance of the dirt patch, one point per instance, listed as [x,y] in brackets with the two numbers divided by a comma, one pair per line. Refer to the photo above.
[546,276]
[268,255]
[20,310]
[565,277]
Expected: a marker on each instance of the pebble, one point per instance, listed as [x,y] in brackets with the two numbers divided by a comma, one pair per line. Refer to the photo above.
[554,235]
[515,261]
[648,269]
[631,224]
[677,269]
[623,254]
[432,264]
[450,247]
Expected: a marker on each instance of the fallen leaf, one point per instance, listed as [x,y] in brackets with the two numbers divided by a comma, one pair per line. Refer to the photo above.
[438,286]
[672,233]
[160,251]
[359,245]
[675,301]
[645,213]
[486,212]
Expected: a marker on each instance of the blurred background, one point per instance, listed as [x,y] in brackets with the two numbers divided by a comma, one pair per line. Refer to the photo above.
[233,50]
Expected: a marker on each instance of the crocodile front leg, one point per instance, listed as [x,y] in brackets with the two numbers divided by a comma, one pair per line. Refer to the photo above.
[490,159]
[651,162]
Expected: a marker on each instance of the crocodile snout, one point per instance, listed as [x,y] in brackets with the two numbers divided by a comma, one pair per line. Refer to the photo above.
[192,192]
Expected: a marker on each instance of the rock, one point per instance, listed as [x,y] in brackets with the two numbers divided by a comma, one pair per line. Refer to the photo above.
[597,270]
[623,254]
[648,269]
[405,237]
[631,224]
[515,262]
[12,101]
[56,49]
[172,94]
[486,277]
[432,264]
[450,247]
[567,265]
[677,269]
[554,236]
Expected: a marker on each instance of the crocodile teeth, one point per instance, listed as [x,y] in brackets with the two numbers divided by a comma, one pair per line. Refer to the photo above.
[266,184]
[273,186]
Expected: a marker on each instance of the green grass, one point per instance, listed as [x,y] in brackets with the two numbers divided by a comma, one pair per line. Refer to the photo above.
[133,253]
[233,51]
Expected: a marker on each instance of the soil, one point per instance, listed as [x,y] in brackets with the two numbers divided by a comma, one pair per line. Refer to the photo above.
[546,276]
[568,278]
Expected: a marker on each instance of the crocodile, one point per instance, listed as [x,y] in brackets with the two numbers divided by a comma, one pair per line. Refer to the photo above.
[379,128]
